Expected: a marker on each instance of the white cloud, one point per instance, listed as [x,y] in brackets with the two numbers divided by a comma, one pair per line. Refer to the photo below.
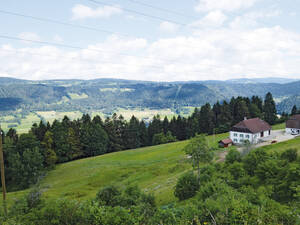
[82,12]
[207,54]
[253,18]
[29,36]
[168,27]
[226,5]
[212,19]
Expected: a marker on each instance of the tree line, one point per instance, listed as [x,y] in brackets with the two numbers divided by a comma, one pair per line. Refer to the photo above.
[28,155]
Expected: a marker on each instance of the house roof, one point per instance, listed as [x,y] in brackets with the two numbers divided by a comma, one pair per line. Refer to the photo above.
[253,126]
[226,141]
[293,122]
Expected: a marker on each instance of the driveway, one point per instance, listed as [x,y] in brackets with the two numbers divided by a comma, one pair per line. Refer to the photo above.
[276,135]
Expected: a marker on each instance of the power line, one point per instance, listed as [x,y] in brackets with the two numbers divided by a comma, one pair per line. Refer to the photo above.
[62,23]
[162,9]
[138,13]
[72,25]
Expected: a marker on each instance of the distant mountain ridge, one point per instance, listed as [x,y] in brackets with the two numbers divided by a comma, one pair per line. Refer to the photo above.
[107,95]
[277,80]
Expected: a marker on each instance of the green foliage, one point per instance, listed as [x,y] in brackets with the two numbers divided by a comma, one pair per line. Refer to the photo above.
[108,196]
[270,109]
[94,140]
[233,156]
[162,138]
[269,195]
[50,155]
[199,152]
[131,196]
[25,168]
[187,186]
[290,155]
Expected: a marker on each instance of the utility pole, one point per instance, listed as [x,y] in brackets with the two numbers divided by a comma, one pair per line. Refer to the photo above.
[2,174]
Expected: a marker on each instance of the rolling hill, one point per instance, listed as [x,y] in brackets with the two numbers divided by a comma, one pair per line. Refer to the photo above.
[155,169]
[108,95]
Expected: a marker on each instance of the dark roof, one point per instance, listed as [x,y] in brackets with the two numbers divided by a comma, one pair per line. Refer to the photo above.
[293,122]
[226,141]
[253,126]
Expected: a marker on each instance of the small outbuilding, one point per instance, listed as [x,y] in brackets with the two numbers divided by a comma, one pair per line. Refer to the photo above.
[225,143]
[293,125]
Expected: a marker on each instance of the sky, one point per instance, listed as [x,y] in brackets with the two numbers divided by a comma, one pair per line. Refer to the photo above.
[157,40]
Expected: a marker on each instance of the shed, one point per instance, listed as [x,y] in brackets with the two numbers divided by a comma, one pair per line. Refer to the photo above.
[225,143]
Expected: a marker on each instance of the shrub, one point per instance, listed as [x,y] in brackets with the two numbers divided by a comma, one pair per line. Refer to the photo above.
[187,186]
[233,156]
[290,155]
[108,196]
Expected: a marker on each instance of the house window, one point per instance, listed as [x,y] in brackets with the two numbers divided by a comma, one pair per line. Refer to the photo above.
[248,136]
[235,134]
[241,135]
[235,140]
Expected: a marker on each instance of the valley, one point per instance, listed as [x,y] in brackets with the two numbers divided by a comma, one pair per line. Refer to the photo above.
[26,102]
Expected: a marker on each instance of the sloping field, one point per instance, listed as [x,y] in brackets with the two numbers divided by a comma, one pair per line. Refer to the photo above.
[154,169]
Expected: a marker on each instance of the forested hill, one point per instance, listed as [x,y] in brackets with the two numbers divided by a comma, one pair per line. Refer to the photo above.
[107,95]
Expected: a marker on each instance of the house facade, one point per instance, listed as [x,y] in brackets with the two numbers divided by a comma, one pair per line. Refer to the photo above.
[252,130]
[293,125]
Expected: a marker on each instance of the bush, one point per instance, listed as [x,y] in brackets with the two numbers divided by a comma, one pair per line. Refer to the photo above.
[108,196]
[290,155]
[187,186]
[233,156]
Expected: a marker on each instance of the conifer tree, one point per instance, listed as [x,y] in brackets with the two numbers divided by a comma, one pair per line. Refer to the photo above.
[270,109]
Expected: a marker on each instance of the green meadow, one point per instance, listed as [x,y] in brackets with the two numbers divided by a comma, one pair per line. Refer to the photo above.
[154,169]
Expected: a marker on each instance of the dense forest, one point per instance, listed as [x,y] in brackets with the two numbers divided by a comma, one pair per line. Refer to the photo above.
[28,156]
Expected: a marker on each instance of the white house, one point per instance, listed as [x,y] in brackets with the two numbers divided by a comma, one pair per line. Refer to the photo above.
[251,130]
[293,125]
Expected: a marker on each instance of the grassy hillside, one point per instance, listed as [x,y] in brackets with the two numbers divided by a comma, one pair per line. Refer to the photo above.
[154,169]
[282,146]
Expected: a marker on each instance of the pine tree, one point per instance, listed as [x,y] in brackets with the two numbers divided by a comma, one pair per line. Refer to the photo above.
[132,135]
[165,124]
[225,118]
[143,134]
[49,153]
[155,127]
[206,121]
[94,139]
[241,111]
[270,109]
[74,151]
